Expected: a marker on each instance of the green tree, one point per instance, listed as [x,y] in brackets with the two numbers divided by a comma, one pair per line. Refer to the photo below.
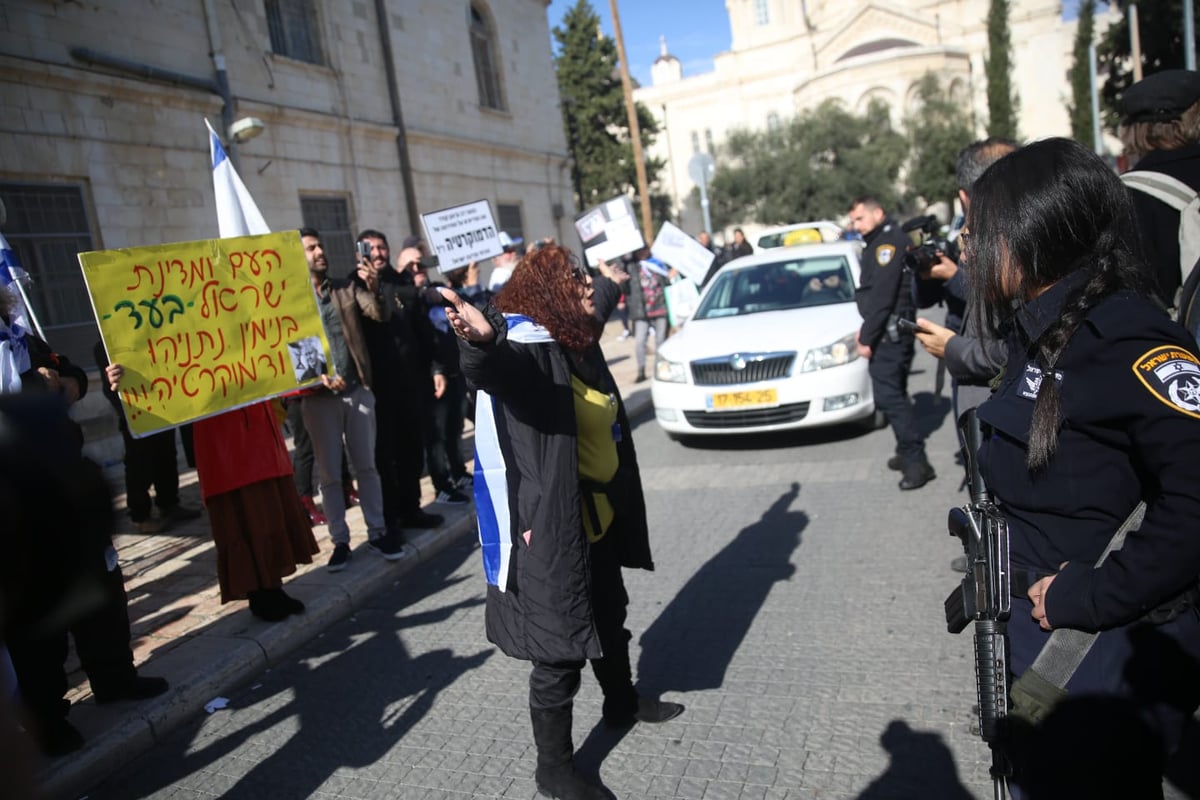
[809,168]
[1080,107]
[594,115]
[1160,26]
[936,133]
[1001,98]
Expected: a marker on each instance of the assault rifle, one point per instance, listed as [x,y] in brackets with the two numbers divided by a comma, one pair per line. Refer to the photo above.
[984,597]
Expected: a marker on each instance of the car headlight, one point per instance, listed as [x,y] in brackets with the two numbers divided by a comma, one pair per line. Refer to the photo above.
[843,351]
[669,371]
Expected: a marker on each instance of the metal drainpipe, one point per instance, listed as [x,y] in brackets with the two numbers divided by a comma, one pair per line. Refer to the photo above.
[222,82]
[389,66]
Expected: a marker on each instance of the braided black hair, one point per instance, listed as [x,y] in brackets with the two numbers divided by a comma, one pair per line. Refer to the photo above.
[1050,210]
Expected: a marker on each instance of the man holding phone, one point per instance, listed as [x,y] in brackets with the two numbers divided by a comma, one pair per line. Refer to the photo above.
[884,299]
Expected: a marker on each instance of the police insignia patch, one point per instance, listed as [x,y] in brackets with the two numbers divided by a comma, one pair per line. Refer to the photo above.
[883,254]
[1172,374]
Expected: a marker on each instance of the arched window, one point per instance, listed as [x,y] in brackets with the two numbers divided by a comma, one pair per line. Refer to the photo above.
[773,121]
[483,50]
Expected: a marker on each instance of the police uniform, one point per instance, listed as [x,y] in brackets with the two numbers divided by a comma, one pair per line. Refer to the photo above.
[1129,384]
[884,293]
[1163,97]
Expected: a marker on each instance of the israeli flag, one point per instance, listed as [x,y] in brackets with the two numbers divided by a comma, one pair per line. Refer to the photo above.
[10,266]
[491,471]
[237,214]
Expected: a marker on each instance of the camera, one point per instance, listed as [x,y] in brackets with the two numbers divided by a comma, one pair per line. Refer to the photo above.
[364,251]
[922,257]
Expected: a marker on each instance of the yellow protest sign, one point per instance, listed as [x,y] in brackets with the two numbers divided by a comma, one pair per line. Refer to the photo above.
[204,327]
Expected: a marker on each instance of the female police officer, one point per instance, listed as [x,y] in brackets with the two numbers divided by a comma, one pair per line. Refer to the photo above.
[1098,409]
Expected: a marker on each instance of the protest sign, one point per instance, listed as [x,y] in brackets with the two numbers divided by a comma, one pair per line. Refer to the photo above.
[673,246]
[208,326]
[462,234]
[609,231]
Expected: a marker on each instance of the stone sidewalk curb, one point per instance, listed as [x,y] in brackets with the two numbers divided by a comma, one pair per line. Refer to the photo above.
[229,653]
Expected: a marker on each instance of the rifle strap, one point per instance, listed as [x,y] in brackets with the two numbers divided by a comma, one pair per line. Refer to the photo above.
[1065,650]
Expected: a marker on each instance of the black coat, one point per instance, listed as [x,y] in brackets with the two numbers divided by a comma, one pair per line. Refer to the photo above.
[885,286]
[1158,223]
[546,613]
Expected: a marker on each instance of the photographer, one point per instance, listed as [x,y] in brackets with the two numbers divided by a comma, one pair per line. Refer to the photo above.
[972,361]
[884,297]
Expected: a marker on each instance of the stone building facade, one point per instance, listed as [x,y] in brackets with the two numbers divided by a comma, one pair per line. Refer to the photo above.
[103,142]
[787,56]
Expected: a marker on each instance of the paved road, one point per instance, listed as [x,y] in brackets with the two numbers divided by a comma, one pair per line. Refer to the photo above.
[796,610]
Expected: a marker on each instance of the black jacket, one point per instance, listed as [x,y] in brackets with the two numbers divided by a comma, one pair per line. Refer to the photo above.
[546,613]
[402,347]
[884,286]
[1158,223]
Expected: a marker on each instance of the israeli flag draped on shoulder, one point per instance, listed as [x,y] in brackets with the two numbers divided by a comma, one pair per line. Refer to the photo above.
[14,349]
[237,213]
[491,472]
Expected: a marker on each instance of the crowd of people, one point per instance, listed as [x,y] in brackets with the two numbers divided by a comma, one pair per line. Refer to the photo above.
[1058,331]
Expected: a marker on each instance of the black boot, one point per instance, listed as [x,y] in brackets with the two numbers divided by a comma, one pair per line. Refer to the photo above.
[268,604]
[643,709]
[556,775]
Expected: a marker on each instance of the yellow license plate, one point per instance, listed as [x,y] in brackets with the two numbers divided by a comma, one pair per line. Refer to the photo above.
[756,397]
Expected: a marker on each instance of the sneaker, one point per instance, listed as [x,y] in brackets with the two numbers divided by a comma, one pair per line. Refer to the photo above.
[315,517]
[337,561]
[388,545]
[451,497]
[420,519]
[465,484]
[624,335]
[641,376]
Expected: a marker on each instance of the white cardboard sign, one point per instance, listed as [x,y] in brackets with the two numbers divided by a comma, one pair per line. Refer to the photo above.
[609,231]
[462,234]
[676,248]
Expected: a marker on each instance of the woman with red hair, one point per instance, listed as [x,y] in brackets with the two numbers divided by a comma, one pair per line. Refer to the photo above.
[558,498]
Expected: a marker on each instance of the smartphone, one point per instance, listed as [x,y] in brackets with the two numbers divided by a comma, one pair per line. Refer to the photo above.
[909,325]
[364,250]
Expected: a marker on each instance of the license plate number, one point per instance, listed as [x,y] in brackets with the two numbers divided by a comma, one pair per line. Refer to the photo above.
[756,397]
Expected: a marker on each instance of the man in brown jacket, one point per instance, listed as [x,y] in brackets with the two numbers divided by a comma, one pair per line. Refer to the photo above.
[343,412]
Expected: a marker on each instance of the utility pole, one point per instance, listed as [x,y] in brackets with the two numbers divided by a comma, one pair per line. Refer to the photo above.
[1189,35]
[635,133]
[1094,91]
[1135,43]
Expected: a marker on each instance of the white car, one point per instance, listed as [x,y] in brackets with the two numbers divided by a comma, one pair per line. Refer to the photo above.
[771,347]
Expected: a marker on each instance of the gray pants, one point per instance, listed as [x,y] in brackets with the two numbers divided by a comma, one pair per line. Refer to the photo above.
[641,330]
[330,418]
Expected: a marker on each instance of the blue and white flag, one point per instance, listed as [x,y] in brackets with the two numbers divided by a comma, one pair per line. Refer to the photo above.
[14,349]
[237,214]
[491,470]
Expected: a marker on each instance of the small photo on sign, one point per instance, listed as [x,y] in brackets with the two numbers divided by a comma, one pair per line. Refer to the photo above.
[308,361]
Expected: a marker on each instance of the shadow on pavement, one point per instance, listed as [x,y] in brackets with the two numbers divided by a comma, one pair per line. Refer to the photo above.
[691,644]
[344,702]
[921,766]
[931,411]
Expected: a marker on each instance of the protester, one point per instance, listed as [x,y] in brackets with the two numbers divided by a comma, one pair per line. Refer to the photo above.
[560,501]
[1097,410]
[149,461]
[504,264]
[38,648]
[646,296]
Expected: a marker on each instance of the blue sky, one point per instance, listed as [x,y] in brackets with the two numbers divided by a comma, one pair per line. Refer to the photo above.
[696,30]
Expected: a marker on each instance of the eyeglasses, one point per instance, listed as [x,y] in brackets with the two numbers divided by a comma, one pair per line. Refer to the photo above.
[580,273]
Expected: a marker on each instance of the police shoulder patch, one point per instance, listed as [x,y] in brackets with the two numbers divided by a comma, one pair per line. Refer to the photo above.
[884,253]
[1172,375]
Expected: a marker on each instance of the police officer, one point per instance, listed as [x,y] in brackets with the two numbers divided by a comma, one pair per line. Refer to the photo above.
[1160,129]
[885,295]
[1098,409]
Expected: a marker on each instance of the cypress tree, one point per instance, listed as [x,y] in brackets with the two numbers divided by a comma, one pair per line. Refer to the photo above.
[1002,100]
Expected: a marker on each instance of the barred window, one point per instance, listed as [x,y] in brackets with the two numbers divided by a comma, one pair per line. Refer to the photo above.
[293,28]
[762,12]
[487,68]
[331,218]
[47,226]
[508,215]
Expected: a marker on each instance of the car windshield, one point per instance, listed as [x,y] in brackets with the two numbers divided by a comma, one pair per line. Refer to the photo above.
[780,285]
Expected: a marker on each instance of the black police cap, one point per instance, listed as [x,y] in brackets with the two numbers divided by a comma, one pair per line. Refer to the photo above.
[1160,97]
